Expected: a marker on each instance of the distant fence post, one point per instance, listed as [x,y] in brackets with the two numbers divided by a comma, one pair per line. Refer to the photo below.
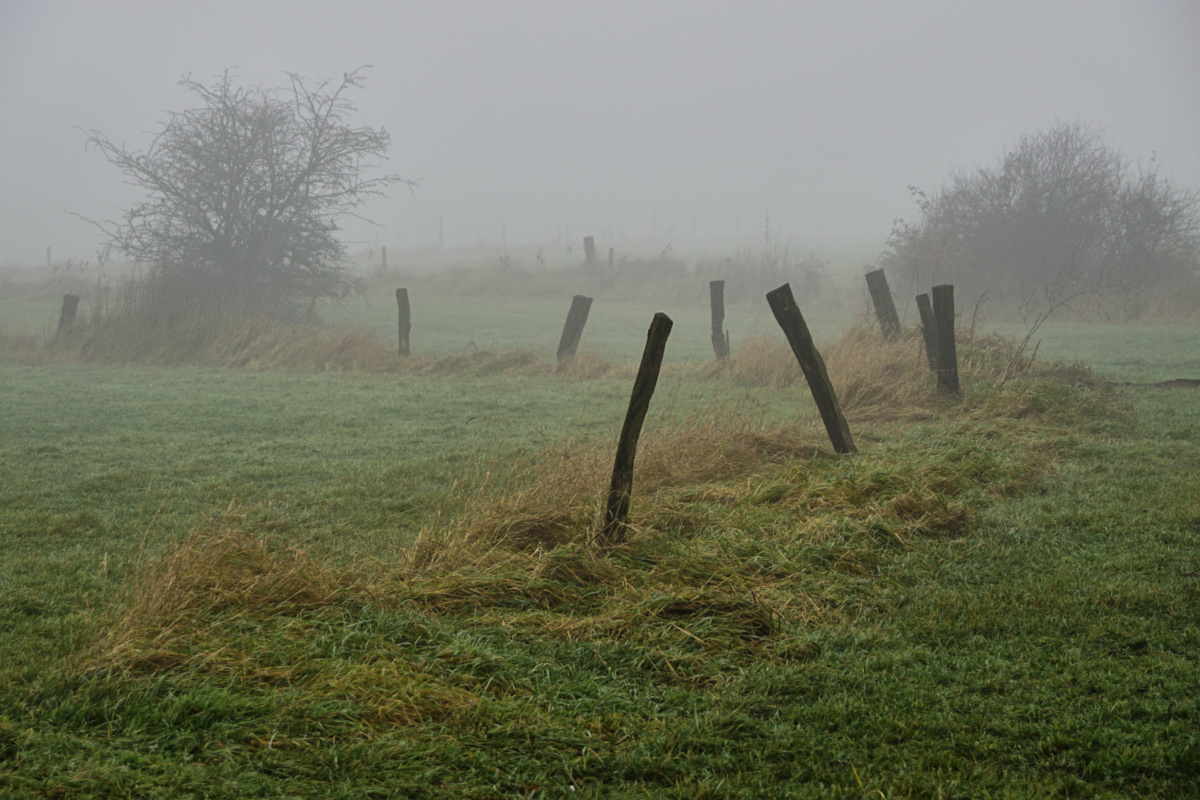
[928,330]
[885,309]
[404,319]
[383,257]
[943,325]
[720,336]
[616,508]
[66,317]
[573,329]
[610,256]
[589,249]
[788,315]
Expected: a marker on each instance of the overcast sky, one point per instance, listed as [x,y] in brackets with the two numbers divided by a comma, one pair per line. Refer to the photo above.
[530,120]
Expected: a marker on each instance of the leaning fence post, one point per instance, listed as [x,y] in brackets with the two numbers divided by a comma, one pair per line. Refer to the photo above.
[788,315]
[66,317]
[616,508]
[720,336]
[943,325]
[404,319]
[885,309]
[573,328]
[928,330]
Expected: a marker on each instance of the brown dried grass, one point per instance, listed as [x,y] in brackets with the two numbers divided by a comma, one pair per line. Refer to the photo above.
[711,492]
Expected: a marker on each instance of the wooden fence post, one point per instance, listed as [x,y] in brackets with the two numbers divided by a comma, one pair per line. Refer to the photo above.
[943,325]
[616,508]
[720,336]
[788,315]
[589,249]
[573,329]
[66,317]
[928,330]
[404,319]
[885,309]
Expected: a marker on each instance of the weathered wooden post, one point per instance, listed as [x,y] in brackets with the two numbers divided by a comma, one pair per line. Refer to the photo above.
[943,325]
[885,309]
[66,317]
[589,249]
[620,490]
[404,319]
[573,329]
[720,336]
[928,330]
[788,315]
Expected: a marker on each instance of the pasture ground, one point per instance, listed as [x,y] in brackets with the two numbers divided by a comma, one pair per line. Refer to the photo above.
[253,583]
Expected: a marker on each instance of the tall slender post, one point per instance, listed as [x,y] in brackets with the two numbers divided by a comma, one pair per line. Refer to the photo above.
[720,336]
[573,328]
[943,324]
[928,330]
[404,320]
[885,309]
[788,315]
[616,508]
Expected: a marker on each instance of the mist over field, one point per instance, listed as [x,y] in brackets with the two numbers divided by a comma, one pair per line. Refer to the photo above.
[722,403]
[528,126]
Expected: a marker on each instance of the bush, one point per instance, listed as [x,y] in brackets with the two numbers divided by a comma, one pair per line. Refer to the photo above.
[1062,220]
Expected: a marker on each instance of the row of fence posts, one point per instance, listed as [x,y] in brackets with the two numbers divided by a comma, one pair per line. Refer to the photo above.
[937,328]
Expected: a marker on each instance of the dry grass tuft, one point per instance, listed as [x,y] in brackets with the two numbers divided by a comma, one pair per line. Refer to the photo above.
[765,361]
[218,567]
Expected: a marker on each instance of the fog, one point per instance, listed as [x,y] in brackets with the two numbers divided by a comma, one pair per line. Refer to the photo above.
[642,123]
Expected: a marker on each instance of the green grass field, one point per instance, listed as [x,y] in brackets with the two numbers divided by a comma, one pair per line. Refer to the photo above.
[241,583]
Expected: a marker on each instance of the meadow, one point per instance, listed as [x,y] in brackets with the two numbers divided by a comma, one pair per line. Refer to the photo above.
[377,582]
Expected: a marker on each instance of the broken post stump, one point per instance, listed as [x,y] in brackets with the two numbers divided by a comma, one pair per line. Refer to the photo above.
[616,508]
[720,336]
[788,315]
[943,325]
[885,308]
[66,317]
[404,319]
[573,328]
[928,330]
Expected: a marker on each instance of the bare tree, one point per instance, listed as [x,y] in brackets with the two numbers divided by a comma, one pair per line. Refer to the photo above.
[1062,217]
[244,192]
